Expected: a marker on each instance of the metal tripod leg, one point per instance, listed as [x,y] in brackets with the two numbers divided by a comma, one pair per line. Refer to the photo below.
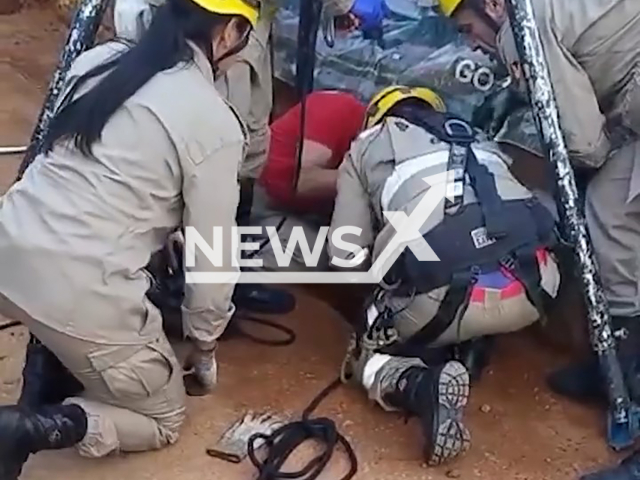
[81,36]
[623,421]
[308,25]
[310,18]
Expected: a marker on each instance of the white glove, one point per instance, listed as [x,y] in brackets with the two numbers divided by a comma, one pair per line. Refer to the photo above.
[131,18]
[233,445]
[175,246]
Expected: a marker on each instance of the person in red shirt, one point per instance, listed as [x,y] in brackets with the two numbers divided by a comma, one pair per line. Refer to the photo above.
[332,121]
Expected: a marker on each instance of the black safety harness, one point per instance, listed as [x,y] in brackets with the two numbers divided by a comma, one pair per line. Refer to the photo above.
[473,237]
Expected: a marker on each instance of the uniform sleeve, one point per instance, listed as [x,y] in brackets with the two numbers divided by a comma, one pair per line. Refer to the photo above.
[211,196]
[351,210]
[582,122]
[338,7]
[131,18]
[235,87]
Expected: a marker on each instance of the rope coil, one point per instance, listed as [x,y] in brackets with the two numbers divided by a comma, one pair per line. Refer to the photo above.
[285,440]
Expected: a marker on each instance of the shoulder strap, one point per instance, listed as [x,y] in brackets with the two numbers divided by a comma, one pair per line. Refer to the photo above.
[523,264]
[483,183]
[462,162]
[460,136]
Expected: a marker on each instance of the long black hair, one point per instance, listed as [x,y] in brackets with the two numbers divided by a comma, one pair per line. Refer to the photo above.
[163,46]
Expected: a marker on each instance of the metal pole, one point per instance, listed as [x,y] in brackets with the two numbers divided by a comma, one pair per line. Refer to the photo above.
[622,422]
[81,36]
[308,24]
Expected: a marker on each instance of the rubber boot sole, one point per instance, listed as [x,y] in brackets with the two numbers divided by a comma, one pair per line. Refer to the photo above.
[451,436]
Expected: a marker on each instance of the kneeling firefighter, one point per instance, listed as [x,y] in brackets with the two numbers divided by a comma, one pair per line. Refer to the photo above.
[124,164]
[493,240]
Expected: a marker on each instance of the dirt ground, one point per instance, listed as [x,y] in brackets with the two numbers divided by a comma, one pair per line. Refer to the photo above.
[520,431]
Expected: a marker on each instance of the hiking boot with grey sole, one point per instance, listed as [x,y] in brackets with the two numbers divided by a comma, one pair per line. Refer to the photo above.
[438,397]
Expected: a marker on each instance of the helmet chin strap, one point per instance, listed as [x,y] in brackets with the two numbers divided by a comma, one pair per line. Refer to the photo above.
[237,48]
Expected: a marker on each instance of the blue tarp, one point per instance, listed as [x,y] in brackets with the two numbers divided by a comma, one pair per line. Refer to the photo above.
[420,48]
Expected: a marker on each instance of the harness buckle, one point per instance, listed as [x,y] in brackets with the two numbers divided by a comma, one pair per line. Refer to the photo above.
[508,262]
[451,125]
[346,369]
[381,333]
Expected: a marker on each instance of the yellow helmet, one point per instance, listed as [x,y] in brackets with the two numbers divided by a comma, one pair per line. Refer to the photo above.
[248,9]
[386,98]
[447,7]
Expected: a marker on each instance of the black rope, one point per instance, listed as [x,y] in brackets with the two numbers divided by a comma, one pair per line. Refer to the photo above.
[289,336]
[8,325]
[285,440]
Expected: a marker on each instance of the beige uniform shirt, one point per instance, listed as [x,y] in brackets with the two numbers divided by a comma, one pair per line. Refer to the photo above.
[384,171]
[76,233]
[593,52]
[248,84]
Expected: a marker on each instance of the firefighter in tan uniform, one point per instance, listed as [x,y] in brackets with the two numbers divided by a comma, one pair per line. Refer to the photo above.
[247,83]
[491,236]
[126,162]
[593,52]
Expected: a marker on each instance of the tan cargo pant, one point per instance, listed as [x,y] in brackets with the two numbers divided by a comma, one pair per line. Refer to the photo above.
[490,316]
[134,395]
[613,215]
[263,215]
[493,316]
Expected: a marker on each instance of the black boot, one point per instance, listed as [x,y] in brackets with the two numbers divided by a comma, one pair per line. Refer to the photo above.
[629,469]
[45,381]
[23,432]
[437,396]
[580,382]
[475,355]
[583,382]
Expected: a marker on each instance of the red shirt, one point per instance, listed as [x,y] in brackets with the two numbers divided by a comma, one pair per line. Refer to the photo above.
[332,119]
